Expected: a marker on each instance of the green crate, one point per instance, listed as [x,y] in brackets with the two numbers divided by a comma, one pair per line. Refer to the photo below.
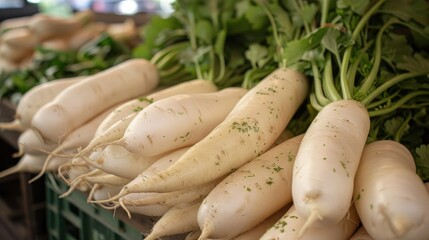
[72,218]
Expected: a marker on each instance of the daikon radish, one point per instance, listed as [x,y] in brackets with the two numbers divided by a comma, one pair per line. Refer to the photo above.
[78,138]
[34,99]
[152,131]
[107,178]
[29,142]
[361,234]
[250,129]
[103,191]
[159,165]
[329,154]
[15,22]
[119,161]
[33,164]
[256,232]
[177,220]
[81,37]
[19,38]
[46,27]
[391,199]
[114,125]
[14,54]
[288,227]
[124,31]
[167,198]
[71,173]
[82,101]
[229,209]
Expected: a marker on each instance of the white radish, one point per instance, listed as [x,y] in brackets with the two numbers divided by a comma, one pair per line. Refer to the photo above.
[119,161]
[35,98]
[103,191]
[20,39]
[33,164]
[256,232]
[327,161]
[249,195]
[29,142]
[361,234]
[288,227]
[82,101]
[177,220]
[86,34]
[107,178]
[114,125]
[79,137]
[46,27]
[136,105]
[159,165]
[250,129]
[178,121]
[390,197]
[167,198]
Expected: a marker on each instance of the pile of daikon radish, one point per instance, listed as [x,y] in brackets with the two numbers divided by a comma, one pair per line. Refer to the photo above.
[19,37]
[213,163]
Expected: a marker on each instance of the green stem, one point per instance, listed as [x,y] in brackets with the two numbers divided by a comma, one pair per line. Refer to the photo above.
[389,83]
[162,53]
[351,75]
[369,80]
[346,92]
[314,103]
[402,129]
[328,80]
[397,104]
[318,85]
[325,11]
[276,37]
[382,101]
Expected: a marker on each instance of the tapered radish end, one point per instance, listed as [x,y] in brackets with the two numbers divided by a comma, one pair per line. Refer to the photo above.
[206,230]
[42,172]
[15,125]
[312,218]
[10,171]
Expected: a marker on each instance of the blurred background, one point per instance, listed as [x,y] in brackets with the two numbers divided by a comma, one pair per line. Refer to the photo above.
[19,8]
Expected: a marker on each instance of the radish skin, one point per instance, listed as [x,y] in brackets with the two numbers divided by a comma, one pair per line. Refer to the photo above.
[30,143]
[178,121]
[38,96]
[390,197]
[234,205]
[33,164]
[256,232]
[327,161]
[177,220]
[99,92]
[114,126]
[107,178]
[46,27]
[288,227]
[159,165]
[250,129]
[119,161]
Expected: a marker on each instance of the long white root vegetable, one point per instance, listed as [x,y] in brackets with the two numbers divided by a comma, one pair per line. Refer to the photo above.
[177,220]
[117,160]
[113,127]
[34,99]
[249,195]
[250,129]
[327,161]
[288,227]
[84,100]
[33,164]
[179,121]
[390,197]
[28,142]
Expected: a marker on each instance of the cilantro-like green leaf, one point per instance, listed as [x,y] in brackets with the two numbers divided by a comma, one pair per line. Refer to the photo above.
[415,63]
[421,158]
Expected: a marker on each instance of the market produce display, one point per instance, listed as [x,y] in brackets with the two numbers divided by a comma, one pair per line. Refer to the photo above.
[247,119]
